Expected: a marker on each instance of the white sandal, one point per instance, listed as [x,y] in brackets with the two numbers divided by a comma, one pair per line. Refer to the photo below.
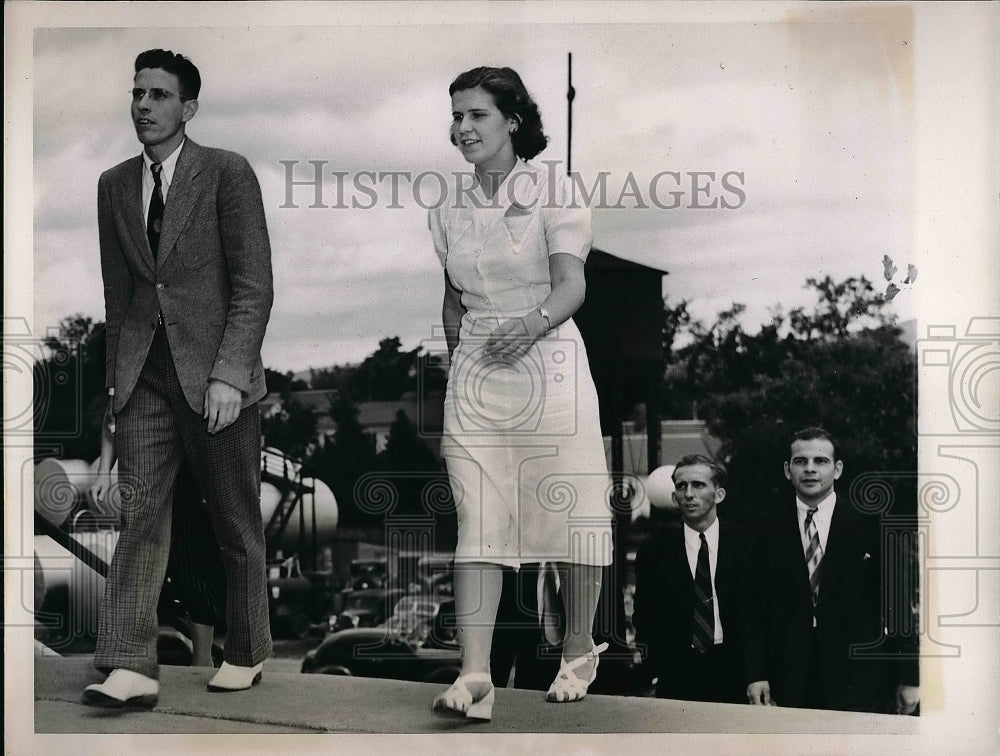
[567,687]
[458,700]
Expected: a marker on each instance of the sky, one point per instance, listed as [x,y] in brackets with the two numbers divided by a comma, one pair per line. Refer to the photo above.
[861,130]
[812,122]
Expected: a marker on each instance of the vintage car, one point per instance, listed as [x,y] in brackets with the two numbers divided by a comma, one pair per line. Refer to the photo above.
[379,652]
[365,608]
[427,619]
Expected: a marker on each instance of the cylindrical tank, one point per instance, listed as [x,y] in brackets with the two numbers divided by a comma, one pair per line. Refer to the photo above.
[59,483]
[327,514]
[660,488]
[640,497]
[73,582]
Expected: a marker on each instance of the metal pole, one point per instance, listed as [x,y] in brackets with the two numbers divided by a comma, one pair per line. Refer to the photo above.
[570,95]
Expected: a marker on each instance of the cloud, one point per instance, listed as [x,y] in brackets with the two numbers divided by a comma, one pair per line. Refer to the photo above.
[824,157]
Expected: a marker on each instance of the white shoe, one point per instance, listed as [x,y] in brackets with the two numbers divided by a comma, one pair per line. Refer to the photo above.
[230,678]
[458,700]
[567,687]
[123,688]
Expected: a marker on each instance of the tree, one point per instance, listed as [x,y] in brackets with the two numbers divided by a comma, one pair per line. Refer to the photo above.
[293,430]
[341,462]
[69,396]
[283,383]
[849,306]
[410,466]
[384,375]
[840,365]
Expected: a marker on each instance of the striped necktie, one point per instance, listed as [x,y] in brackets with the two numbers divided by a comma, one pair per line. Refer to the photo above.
[703,622]
[814,556]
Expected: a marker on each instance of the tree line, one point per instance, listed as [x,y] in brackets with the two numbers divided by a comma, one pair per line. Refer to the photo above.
[839,364]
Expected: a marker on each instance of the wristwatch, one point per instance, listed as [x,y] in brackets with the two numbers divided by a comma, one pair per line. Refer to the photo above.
[546,317]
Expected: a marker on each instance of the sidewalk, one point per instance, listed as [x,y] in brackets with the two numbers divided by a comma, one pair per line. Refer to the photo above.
[288,702]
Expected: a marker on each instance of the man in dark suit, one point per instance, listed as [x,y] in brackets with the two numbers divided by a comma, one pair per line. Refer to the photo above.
[822,609]
[187,285]
[687,605]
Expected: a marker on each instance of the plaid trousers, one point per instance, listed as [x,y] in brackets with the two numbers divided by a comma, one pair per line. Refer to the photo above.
[156,429]
[195,571]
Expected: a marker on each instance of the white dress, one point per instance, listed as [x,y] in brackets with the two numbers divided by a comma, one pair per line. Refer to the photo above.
[522,442]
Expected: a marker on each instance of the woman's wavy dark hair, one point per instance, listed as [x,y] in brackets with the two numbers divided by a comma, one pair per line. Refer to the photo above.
[512,99]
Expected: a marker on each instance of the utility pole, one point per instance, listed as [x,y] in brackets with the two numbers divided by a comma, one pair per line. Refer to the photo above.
[570,94]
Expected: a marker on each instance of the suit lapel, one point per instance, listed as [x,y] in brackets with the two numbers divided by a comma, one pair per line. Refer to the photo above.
[130,207]
[681,566]
[722,562]
[838,523]
[181,198]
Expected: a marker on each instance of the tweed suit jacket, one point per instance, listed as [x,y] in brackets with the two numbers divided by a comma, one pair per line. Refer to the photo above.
[665,597]
[861,664]
[211,278]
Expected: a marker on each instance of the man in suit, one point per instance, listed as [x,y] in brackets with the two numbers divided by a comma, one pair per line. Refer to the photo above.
[687,605]
[820,640]
[187,285]
[522,643]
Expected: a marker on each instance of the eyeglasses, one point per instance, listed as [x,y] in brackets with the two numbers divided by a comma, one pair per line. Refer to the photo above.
[156,95]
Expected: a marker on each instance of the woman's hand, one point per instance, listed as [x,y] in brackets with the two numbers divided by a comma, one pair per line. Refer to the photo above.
[100,488]
[514,337]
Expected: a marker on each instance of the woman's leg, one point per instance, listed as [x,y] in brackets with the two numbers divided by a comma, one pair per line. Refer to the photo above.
[202,637]
[581,589]
[477,594]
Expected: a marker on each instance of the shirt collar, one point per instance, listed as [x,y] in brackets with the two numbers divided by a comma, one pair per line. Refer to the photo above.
[167,165]
[824,507]
[693,537]
[519,187]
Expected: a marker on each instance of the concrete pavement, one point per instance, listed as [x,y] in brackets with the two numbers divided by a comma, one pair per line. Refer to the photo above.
[288,702]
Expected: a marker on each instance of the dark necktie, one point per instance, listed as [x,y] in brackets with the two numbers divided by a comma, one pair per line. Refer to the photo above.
[814,555]
[154,218]
[703,622]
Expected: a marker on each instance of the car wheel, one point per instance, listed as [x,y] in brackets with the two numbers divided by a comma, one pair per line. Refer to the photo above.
[335,669]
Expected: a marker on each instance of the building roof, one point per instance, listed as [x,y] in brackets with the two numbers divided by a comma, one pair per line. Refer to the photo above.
[601,260]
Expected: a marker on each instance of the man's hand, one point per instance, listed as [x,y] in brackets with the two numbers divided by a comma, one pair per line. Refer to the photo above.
[907,698]
[222,405]
[759,693]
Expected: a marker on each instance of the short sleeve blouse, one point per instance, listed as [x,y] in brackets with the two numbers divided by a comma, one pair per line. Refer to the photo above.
[496,250]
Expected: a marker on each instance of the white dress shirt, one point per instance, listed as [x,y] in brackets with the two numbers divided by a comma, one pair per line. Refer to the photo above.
[692,545]
[166,177]
[822,518]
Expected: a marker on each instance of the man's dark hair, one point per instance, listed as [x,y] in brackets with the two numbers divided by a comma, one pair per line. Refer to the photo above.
[718,469]
[816,433]
[176,64]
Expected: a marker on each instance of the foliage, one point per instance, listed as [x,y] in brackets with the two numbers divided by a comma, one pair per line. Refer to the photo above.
[283,383]
[293,429]
[385,375]
[840,366]
[344,459]
[410,466]
[69,397]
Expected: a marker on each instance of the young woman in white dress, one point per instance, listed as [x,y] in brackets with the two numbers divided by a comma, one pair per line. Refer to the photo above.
[522,438]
